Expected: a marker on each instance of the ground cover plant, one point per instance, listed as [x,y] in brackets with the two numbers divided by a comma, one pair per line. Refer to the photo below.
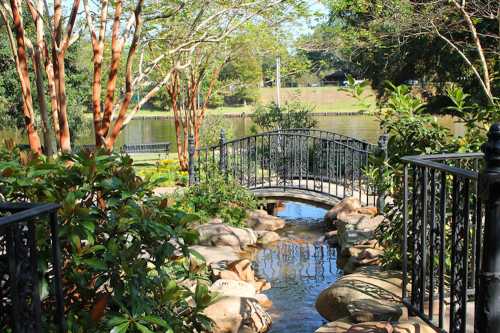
[218,196]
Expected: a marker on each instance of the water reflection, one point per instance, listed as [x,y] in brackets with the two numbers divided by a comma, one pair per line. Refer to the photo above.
[149,130]
[299,268]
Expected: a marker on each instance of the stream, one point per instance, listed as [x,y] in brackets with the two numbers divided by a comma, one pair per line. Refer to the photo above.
[299,268]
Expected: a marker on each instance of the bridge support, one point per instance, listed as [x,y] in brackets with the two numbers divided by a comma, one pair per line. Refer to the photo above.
[223,153]
[191,161]
[383,154]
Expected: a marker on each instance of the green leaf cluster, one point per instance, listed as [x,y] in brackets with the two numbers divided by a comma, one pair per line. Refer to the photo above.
[290,115]
[125,257]
[218,196]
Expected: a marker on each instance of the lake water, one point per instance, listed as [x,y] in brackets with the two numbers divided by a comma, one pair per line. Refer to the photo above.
[150,130]
[299,268]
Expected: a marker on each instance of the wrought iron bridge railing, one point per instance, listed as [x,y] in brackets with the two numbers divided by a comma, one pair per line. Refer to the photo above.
[451,247]
[310,160]
[22,308]
[442,230]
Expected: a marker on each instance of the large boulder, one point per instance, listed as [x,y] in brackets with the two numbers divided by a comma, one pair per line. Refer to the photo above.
[356,221]
[355,228]
[366,283]
[363,310]
[412,325]
[219,234]
[348,205]
[338,326]
[233,288]
[268,237]
[232,314]
[243,268]
[216,254]
[262,221]
[264,301]
[367,254]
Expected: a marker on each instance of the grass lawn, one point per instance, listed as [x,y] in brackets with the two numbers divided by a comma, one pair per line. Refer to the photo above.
[323,99]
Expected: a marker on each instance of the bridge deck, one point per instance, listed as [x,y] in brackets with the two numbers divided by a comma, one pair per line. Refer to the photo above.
[323,194]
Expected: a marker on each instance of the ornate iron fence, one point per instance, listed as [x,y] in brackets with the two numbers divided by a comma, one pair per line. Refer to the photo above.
[442,230]
[21,306]
[299,159]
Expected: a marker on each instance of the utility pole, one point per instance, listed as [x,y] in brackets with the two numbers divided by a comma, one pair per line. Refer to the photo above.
[278,81]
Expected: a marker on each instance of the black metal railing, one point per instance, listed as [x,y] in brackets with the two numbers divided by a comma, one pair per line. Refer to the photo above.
[21,305]
[301,159]
[442,237]
[139,148]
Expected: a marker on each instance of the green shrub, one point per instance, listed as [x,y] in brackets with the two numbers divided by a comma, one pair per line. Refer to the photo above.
[289,115]
[218,196]
[123,248]
[163,173]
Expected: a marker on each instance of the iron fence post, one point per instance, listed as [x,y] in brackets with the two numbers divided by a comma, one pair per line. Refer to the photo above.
[487,318]
[191,161]
[382,150]
[223,153]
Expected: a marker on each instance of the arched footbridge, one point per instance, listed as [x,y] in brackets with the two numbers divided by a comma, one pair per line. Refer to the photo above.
[309,165]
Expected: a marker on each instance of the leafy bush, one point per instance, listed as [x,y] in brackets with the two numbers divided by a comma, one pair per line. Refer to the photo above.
[289,115]
[164,173]
[218,196]
[125,252]
[211,128]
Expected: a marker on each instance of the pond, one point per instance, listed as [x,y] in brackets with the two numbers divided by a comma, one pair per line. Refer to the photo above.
[299,267]
[150,130]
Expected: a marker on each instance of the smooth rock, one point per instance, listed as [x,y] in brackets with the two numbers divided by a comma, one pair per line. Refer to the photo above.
[413,325]
[219,234]
[370,254]
[353,251]
[216,254]
[371,327]
[365,283]
[269,237]
[228,275]
[264,301]
[261,285]
[370,224]
[233,288]
[351,219]
[243,269]
[238,315]
[348,205]
[338,326]
[364,310]
[368,210]
[260,220]
[351,265]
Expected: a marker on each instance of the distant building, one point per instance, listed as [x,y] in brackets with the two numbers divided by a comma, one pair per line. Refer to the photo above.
[334,79]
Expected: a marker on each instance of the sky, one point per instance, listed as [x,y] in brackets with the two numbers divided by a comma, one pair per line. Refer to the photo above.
[303,27]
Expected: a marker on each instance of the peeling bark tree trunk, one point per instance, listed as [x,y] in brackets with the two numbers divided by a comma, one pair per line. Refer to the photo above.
[33,138]
[37,61]
[173,90]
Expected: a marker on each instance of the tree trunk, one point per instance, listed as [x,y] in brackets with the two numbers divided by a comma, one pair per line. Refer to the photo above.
[65,137]
[54,103]
[116,50]
[37,61]
[33,138]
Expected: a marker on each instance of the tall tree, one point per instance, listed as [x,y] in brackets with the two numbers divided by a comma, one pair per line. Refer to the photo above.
[399,40]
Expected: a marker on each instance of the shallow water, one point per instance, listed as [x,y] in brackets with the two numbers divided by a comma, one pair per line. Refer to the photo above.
[299,268]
